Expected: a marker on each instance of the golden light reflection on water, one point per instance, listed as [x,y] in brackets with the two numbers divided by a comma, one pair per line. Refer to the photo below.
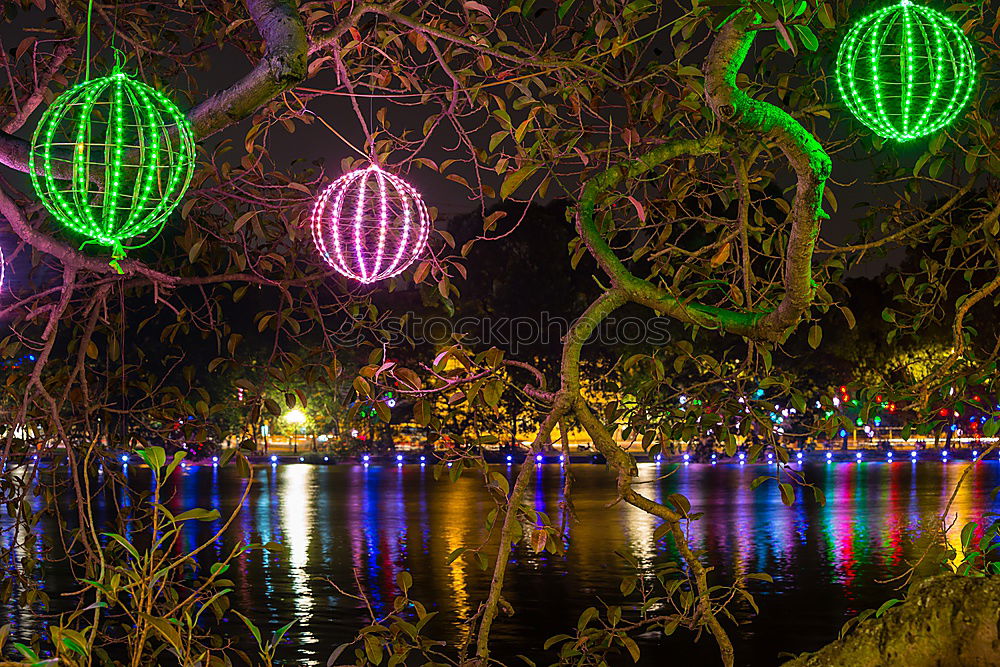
[963,508]
[459,528]
[298,519]
[639,526]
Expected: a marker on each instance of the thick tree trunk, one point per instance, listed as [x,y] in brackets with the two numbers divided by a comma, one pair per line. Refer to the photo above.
[946,621]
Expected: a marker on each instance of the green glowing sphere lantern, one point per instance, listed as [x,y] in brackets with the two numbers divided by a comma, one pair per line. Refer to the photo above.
[111,158]
[906,71]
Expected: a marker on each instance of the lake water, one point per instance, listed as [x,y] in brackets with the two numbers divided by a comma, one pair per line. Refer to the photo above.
[336,520]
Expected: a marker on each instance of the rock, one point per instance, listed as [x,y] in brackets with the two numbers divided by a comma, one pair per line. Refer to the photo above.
[945,621]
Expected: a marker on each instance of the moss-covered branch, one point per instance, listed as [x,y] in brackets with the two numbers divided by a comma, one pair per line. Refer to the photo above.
[804,153]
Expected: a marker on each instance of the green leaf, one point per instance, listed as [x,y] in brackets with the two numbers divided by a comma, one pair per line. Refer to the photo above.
[807,36]
[787,493]
[815,336]
[681,502]
[26,651]
[198,513]
[167,630]
[373,650]
[849,316]
[968,532]
[154,457]
[826,16]
[588,615]
[421,413]
[767,11]
[633,648]
[125,543]
[178,457]
[501,481]
[514,180]
[195,250]
[254,630]
[784,39]
[280,632]
[404,580]
[74,645]
[885,605]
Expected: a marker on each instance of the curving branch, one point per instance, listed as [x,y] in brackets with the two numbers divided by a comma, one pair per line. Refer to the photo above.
[804,153]
[635,288]
[283,66]
[807,158]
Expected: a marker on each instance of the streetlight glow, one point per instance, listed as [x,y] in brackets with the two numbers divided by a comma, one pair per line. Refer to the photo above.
[295,416]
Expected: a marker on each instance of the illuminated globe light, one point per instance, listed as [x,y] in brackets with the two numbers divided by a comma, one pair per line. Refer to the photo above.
[370,225]
[905,71]
[130,153]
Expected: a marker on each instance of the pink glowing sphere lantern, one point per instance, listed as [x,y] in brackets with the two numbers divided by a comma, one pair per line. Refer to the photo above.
[370,225]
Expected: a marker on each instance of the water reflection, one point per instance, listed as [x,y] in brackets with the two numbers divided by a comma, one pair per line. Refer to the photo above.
[361,525]
[298,517]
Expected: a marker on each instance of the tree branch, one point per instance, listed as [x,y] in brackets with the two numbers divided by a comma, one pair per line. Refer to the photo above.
[805,154]
[283,66]
[635,288]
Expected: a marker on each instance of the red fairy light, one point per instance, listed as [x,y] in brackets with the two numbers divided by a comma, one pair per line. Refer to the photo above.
[370,225]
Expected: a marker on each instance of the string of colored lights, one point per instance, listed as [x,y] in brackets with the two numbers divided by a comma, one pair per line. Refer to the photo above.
[129,134]
[906,71]
[380,227]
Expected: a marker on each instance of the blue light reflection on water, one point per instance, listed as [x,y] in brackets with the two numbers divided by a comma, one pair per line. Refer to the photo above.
[364,524]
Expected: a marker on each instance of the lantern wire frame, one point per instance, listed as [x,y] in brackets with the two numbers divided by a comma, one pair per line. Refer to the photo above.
[130,152]
[906,71]
[370,225]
